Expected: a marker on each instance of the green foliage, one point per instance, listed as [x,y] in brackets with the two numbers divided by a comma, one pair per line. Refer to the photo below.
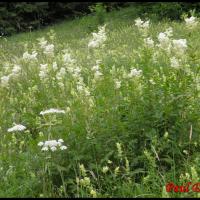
[25,16]
[99,9]
[127,136]
[165,10]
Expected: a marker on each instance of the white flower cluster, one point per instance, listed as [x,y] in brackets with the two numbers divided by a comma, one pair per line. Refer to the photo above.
[48,49]
[191,22]
[180,46]
[98,38]
[164,39]
[174,62]
[96,70]
[69,65]
[14,74]
[166,43]
[51,111]
[5,81]
[43,71]
[135,73]
[117,84]
[16,70]
[149,42]
[52,145]
[142,25]
[17,127]
[30,57]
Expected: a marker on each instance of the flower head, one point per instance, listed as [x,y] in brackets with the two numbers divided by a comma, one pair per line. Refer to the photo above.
[17,127]
[51,111]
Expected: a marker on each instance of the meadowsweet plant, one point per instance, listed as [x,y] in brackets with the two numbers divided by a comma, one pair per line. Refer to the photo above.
[98,38]
[107,113]
[191,22]
[143,26]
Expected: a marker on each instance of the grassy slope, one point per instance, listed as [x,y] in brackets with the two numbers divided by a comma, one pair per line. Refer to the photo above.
[133,123]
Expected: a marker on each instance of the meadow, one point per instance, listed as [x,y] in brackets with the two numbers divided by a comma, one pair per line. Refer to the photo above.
[101,110]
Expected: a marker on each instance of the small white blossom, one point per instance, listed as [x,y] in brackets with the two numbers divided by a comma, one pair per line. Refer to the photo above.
[5,80]
[174,62]
[53,148]
[49,49]
[40,144]
[63,147]
[149,42]
[180,46]
[30,57]
[55,66]
[44,149]
[97,74]
[135,73]
[105,169]
[191,22]
[117,84]
[60,140]
[142,25]
[16,70]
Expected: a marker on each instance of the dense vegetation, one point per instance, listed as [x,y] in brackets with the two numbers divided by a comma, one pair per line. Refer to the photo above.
[26,16]
[101,111]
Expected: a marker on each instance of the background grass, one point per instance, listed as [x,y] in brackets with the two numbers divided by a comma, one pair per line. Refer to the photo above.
[138,116]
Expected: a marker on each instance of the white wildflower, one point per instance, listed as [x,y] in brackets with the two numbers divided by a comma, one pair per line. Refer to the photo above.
[40,144]
[52,110]
[135,73]
[63,147]
[43,71]
[45,149]
[49,49]
[16,70]
[5,80]
[67,58]
[17,127]
[42,42]
[117,84]
[105,169]
[97,74]
[149,42]
[52,145]
[169,32]
[55,66]
[165,41]
[191,22]
[174,62]
[180,46]
[61,140]
[98,38]
[53,148]
[152,81]
[30,57]
[142,25]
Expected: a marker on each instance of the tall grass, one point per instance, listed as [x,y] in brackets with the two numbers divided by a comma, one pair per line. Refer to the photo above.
[131,116]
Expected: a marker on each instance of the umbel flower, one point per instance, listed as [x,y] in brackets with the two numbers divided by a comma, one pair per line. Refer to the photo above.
[52,145]
[51,111]
[17,127]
